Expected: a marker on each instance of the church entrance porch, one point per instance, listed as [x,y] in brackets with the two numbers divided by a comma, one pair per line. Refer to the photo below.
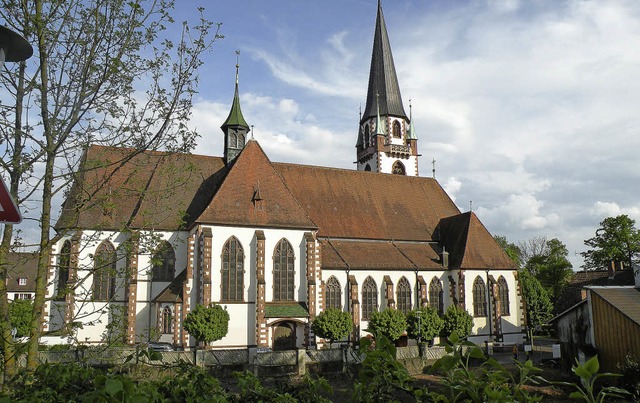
[284,336]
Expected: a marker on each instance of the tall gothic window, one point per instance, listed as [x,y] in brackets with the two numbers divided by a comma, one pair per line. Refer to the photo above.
[333,293]
[64,266]
[232,270]
[104,272]
[283,274]
[436,295]
[479,298]
[398,168]
[403,295]
[397,130]
[367,136]
[503,294]
[166,320]
[164,262]
[369,298]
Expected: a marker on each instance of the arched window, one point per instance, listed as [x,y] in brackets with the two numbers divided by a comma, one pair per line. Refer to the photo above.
[240,142]
[479,298]
[503,294]
[167,320]
[369,298]
[164,262]
[397,130]
[283,274]
[367,167]
[398,168]
[403,295]
[64,264]
[436,295]
[232,270]
[367,136]
[232,139]
[333,293]
[104,272]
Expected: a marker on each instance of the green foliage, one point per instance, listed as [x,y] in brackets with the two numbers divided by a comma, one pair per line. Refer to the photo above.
[630,379]
[207,324]
[551,267]
[490,382]
[587,389]
[381,377]
[20,311]
[252,390]
[191,384]
[617,240]
[458,321]
[539,304]
[512,250]
[52,383]
[427,326]
[332,324]
[390,323]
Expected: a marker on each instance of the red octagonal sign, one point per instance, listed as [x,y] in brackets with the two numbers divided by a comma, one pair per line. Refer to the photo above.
[8,211]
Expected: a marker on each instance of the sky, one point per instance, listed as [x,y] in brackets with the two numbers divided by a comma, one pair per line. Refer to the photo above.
[529,108]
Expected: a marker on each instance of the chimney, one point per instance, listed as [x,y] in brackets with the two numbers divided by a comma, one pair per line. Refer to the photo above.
[445,258]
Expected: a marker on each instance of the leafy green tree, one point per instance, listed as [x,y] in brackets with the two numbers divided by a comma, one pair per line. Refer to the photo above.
[551,267]
[390,323]
[207,324]
[20,316]
[457,320]
[616,240]
[332,324]
[538,303]
[512,250]
[428,325]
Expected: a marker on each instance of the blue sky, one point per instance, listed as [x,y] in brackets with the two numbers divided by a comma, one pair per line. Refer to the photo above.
[530,109]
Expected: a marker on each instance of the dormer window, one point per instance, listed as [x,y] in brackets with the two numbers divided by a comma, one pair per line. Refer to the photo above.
[22,281]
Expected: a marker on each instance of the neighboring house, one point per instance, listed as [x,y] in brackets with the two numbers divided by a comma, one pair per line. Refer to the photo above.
[22,268]
[147,237]
[574,291]
[606,322]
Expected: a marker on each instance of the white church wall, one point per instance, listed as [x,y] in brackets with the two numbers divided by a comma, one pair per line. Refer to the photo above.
[386,164]
[242,326]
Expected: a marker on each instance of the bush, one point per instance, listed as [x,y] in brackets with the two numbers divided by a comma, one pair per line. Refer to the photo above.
[457,320]
[390,323]
[207,324]
[332,324]
[631,376]
[428,325]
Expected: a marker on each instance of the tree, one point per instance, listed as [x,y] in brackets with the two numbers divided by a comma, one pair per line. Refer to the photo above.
[617,240]
[207,324]
[20,314]
[512,250]
[555,270]
[390,323]
[332,324]
[457,320]
[424,322]
[106,72]
[538,304]
[531,249]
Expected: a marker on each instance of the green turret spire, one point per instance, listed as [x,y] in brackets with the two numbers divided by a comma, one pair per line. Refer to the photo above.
[235,127]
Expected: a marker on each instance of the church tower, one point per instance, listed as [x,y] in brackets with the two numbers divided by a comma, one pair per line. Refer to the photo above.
[386,141]
[235,128]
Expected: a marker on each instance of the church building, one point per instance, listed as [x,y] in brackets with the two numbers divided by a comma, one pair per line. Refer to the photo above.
[148,235]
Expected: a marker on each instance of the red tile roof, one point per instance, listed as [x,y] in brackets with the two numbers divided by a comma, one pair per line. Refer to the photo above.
[22,265]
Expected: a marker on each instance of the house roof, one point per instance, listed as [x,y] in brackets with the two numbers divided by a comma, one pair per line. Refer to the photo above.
[173,292]
[363,219]
[625,299]
[470,245]
[237,201]
[22,265]
[572,293]
[121,187]
[286,310]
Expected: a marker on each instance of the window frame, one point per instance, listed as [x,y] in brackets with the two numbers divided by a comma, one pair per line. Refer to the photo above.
[369,298]
[231,266]
[284,281]
[403,295]
[479,298]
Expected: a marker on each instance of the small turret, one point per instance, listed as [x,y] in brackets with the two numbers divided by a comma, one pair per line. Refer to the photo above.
[235,128]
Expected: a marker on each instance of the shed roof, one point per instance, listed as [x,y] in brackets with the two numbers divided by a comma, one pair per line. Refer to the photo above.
[625,299]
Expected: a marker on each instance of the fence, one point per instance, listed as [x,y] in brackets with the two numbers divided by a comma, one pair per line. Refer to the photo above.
[271,362]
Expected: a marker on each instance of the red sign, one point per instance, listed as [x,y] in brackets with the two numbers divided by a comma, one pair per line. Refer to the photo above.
[8,211]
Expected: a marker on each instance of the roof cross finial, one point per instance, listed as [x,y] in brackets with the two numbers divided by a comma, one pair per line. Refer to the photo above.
[237,64]
[433,170]
[251,132]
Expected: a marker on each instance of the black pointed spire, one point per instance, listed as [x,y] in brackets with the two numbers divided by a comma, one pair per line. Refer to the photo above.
[382,76]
